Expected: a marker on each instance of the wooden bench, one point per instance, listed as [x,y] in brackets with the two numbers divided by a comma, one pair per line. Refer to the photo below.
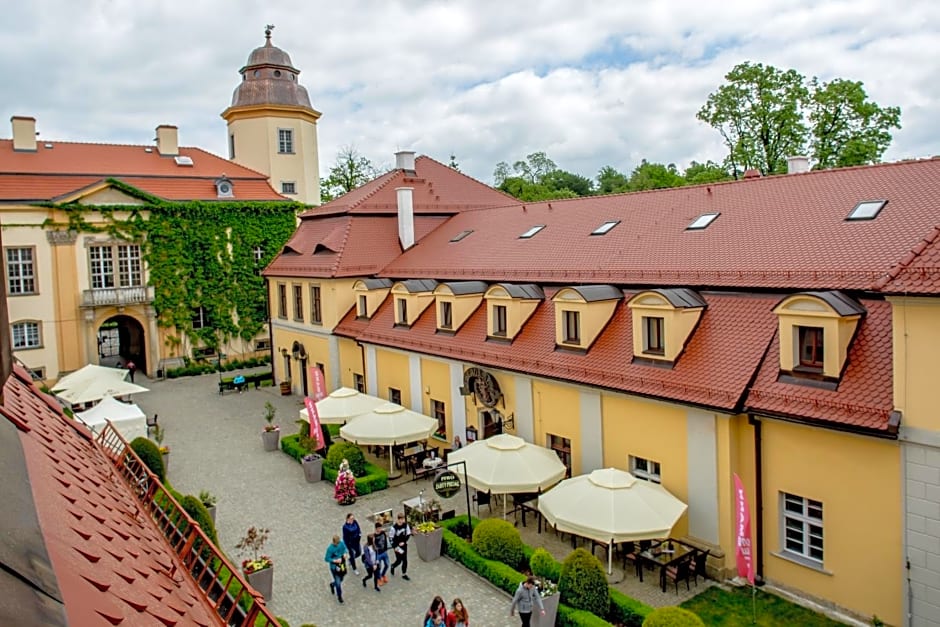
[228,383]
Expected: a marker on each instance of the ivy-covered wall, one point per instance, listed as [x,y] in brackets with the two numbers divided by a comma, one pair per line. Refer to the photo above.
[198,253]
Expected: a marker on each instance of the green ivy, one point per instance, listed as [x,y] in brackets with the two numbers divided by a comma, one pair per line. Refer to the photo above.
[199,253]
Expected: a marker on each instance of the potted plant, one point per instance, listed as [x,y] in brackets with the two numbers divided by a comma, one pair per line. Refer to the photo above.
[428,537]
[545,569]
[313,467]
[208,500]
[158,435]
[258,568]
[272,432]
[344,490]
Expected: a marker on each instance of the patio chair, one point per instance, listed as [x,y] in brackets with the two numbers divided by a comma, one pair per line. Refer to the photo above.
[680,571]
[700,562]
[151,424]
[629,553]
[483,498]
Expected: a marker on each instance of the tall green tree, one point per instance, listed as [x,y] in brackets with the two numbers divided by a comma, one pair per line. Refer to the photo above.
[654,176]
[538,178]
[350,171]
[758,113]
[708,172]
[848,128]
[611,181]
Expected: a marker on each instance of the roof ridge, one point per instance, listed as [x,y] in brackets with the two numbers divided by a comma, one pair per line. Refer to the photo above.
[916,251]
[339,257]
[467,176]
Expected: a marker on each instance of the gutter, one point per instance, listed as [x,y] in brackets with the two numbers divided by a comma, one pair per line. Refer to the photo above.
[755,422]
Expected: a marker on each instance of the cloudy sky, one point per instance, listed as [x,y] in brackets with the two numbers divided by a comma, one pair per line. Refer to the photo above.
[590,83]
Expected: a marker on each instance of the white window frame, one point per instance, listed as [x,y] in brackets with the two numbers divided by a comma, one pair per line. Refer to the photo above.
[23,281]
[802,534]
[571,326]
[200,318]
[289,188]
[362,310]
[646,469]
[101,266]
[26,334]
[285,141]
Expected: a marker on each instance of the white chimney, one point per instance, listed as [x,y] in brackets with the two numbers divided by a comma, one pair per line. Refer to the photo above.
[406,216]
[797,164]
[167,141]
[405,160]
[24,133]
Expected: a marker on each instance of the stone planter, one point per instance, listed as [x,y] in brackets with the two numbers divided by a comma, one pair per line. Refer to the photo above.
[313,469]
[263,582]
[166,462]
[428,544]
[551,610]
[211,510]
[270,439]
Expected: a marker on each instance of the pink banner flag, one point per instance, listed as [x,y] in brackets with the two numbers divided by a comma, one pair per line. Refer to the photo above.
[319,383]
[743,553]
[314,422]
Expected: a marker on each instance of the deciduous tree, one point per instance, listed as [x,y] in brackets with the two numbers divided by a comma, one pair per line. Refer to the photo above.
[350,171]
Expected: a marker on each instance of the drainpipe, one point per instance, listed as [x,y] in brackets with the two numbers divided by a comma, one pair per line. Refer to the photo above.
[759,503]
[267,311]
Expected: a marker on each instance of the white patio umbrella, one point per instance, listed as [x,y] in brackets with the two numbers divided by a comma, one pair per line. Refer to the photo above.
[92,383]
[611,505]
[342,405]
[127,418]
[388,424]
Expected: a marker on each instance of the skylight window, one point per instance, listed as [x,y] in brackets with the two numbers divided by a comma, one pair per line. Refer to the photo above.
[605,228]
[867,210]
[183,160]
[535,229]
[702,221]
[461,235]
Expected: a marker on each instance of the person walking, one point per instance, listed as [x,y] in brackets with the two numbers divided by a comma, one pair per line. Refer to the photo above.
[525,599]
[458,615]
[438,609]
[336,558]
[380,543]
[131,369]
[400,534]
[352,538]
[371,563]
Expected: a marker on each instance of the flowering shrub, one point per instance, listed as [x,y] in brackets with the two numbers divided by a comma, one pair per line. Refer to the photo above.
[546,587]
[164,450]
[425,527]
[344,490]
[254,565]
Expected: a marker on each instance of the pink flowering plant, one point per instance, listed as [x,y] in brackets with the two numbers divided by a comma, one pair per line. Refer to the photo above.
[251,546]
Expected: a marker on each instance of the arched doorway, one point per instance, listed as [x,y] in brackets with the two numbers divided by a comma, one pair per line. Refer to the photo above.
[492,422]
[121,338]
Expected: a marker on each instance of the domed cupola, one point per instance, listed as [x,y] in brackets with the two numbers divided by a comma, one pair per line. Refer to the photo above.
[269,77]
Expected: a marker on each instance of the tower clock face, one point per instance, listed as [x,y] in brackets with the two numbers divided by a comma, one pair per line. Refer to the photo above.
[225,188]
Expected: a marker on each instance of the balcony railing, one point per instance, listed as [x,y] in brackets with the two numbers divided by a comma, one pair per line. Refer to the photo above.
[140,294]
[235,602]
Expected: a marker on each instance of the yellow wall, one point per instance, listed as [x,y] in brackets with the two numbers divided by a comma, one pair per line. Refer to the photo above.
[317,348]
[392,372]
[916,345]
[435,381]
[858,481]
[350,362]
[556,409]
[593,317]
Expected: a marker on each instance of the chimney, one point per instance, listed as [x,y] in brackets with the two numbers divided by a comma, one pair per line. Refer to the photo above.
[797,164]
[24,133]
[405,160]
[167,141]
[752,173]
[406,216]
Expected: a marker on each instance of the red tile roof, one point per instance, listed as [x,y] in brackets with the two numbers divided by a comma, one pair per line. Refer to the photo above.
[112,565]
[777,232]
[918,272]
[438,190]
[50,173]
[693,379]
[864,398]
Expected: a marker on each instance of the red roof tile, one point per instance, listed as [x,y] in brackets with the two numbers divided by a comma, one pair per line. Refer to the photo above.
[50,173]
[777,232]
[94,531]
[864,397]
[918,272]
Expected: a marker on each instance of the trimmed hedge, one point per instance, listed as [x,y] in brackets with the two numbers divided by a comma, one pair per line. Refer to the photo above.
[544,566]
[583,584]
[351,453]
[194,507]
[374,480]
[499,540]
[149,453]
[673,617]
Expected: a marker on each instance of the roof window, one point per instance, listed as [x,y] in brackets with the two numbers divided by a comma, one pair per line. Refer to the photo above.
[461,235]
[605,228]
[702,221]
[535,229]
[867,210]
[183,160]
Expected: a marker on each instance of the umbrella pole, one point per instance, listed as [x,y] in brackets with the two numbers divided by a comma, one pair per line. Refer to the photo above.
[610,559]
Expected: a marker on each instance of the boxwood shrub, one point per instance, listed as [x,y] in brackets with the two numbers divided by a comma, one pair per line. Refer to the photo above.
[149,453]
[499,540]
[583,583]
[351,453]
[673,617]
[194,507]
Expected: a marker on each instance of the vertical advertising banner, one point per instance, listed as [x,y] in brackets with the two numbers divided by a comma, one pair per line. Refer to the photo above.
[743,553]
[314,422]
[319,383]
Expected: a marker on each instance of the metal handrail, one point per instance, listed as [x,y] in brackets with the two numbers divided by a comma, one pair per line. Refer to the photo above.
[235,602]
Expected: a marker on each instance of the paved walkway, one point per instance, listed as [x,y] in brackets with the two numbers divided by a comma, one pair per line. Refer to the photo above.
[215,444]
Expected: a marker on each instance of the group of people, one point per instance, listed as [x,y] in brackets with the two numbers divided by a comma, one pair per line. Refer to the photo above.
[374,554]
[438,615]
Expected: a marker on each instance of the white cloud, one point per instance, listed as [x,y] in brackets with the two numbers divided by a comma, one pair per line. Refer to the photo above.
[607,83]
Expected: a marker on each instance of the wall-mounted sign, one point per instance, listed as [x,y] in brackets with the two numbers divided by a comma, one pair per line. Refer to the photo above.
[482,385]
[447,484]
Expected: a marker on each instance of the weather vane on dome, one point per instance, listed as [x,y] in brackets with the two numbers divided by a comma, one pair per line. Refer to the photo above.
[267,31]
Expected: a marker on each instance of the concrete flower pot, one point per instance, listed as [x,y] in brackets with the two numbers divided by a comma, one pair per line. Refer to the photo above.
[313,469]
[166,462]
[211,510]
[270,439]
[428,544]
[263,581]
[551,610]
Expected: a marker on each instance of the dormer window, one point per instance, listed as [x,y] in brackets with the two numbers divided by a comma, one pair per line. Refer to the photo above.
[508,306]
[582,312]
[663,322]
[411,299]
[224,188]
[369,295]
[499,320]
[456,302]
[401,306]
[816,330]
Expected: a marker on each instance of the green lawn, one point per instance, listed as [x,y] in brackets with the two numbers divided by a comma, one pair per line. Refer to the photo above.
[717,606]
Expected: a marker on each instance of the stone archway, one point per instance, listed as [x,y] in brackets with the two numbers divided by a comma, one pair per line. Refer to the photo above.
[121,338]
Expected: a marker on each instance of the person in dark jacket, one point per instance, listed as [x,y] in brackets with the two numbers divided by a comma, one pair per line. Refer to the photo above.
[352,538]
[371,564]
[400,534]
[380,543]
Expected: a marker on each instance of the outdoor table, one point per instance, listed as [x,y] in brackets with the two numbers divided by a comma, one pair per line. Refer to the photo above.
[432,462]
[523,502]
[663,557]
[409,454]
